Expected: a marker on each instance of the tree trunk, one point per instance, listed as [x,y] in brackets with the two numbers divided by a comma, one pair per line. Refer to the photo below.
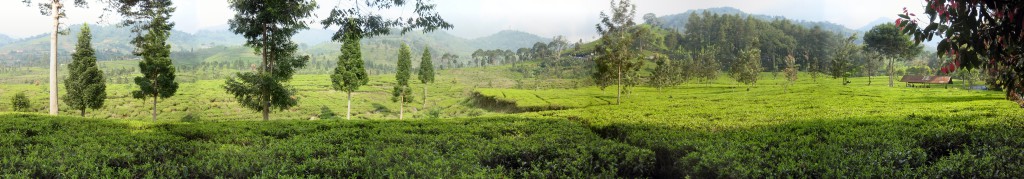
[401,106]
[266,110]
[869,78]
[891,60]
[54,11]
[154,106]
[424,96]
[618,84]
[83,112]
[348,112]
[265,69]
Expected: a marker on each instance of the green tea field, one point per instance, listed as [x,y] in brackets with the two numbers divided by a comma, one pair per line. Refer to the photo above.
[816,128]
[511,89]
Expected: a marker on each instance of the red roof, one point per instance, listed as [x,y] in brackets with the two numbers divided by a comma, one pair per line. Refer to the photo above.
[927,79]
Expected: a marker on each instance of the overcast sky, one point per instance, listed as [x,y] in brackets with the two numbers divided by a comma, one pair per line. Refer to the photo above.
[475,18]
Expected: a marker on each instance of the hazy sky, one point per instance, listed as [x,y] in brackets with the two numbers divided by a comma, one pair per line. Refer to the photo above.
[475,18]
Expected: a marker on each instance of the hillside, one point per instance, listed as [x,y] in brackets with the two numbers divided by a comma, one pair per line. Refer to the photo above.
[678,21]
[4,39]
[508,40]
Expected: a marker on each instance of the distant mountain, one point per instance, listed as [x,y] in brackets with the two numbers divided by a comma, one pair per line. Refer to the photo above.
[217,44]
[508,40]
[4,39]
[881,20]
[678,21]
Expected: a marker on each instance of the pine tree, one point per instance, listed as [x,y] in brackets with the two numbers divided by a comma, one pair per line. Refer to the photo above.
[402,93]
[84,84]
[350,74]
[268,27]
[157,78]
[426,73]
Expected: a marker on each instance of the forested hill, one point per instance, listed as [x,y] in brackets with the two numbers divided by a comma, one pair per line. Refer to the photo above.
[508,40]
[678,21]
[4,39]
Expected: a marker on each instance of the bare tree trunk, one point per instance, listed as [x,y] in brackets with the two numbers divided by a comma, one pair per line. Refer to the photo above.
[401,106]
[618,84]
[154,106]
[424,96]
[891,72]
[55,12]
[266,110]
[265,69]
[348,113]
[83,112]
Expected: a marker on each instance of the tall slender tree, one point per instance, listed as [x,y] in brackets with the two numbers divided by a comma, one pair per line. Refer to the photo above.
[157,70]
[350,74]
[616,59]
[402,93]
[426,73]
[54,9]
[84,84]
[268,27]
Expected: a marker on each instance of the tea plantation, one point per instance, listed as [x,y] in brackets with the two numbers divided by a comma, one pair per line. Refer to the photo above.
[478,125]
[54,147]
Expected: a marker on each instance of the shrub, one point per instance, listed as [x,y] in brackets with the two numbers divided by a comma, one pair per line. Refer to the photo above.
[20,102]
[190,117]
[326,113]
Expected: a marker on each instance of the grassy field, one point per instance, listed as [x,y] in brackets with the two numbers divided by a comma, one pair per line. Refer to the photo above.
[494,122]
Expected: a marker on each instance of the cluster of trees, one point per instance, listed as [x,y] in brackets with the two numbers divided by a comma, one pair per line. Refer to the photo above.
[493,57]
[743,46]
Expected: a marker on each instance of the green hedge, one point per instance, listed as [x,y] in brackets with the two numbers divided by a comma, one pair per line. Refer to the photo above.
[50,147]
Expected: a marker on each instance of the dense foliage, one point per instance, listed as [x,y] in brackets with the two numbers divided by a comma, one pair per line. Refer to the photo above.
[85,86]
[20,102]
